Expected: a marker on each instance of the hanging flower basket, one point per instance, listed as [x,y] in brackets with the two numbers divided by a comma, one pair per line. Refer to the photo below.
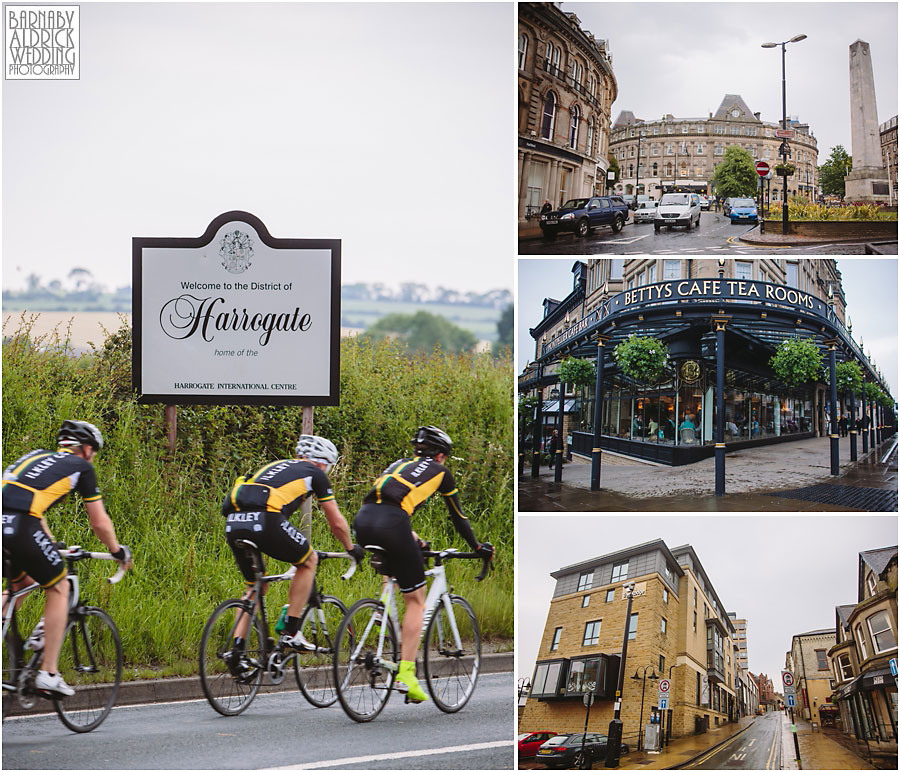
[643,358]
[785,170]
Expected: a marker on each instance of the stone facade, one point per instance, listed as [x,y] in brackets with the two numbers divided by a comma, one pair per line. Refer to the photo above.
[808,661]
[681,153]
[888,133]
[868,180]
[566,88]
[673,608]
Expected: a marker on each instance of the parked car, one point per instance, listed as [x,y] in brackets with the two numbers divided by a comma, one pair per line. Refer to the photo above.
[726,205]
[564,750]
[743,210]
[530,742]
[677,209]
[581,215]
[704,203]
[629,200]
[646,211]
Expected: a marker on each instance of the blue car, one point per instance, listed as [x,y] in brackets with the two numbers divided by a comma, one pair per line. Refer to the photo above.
[743,210]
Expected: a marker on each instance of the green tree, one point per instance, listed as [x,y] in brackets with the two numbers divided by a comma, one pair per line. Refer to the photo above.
[736,174]
[614,168]
[504,330]
[797,361]
[422,331]
[848,377]
[833,171]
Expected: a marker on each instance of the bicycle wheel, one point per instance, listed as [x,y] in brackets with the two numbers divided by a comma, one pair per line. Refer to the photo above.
[363,679]
[230,690]
[91,663]
[314,667]
[451,669]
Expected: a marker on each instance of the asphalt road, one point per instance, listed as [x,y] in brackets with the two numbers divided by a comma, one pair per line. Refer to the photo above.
[759,747]
[278,731]
[715,233]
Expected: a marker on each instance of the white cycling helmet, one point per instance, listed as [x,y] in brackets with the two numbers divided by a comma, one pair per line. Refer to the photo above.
[315,448]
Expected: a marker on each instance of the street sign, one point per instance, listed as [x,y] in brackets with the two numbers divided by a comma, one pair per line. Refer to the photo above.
[663,701]
[784,133]
[791,700]
[892,663]
[787,678]
[762,168]
[664,685]
[784,149]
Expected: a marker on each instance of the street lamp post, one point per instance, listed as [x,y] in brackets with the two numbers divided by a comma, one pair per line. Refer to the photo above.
[614,733]
[719,322]
[643,679]
[784,211]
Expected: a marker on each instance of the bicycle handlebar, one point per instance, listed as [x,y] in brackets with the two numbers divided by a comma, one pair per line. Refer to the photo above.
[289,574]
[77,553]
[452,553]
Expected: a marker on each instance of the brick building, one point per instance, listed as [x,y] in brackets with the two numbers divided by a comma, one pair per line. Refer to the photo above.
[678,630]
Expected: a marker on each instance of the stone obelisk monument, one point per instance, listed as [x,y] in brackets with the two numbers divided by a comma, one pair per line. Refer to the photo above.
[869,179]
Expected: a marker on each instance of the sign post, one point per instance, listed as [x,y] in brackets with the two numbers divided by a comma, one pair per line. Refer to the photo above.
[787,678]
[762,168]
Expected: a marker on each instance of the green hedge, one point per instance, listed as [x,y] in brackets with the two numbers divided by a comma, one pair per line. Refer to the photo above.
[167,510]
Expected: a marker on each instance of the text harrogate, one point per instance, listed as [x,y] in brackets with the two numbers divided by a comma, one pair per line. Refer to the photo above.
[183,316]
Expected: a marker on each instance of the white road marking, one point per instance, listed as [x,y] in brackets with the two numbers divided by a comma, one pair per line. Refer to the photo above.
[627,241]
[391,756]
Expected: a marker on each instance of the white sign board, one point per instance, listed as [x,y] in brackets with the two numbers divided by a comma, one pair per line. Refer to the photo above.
[236,317]
[787,678]
[664,685]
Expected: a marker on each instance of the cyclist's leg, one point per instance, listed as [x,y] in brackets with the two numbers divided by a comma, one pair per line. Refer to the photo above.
[56,608]
[301,585]
[286,542]
[249,526]
[411,628]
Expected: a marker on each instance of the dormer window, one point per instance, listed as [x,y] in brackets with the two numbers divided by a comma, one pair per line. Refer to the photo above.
[871,583]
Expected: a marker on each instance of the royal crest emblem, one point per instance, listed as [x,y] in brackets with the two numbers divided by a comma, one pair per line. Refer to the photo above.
[236,251]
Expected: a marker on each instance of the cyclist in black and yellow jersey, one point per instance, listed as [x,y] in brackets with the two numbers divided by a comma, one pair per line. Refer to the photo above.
[31,485]
[384,520]
[258,507]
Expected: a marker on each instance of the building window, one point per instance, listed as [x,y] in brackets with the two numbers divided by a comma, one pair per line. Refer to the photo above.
[845,668]
[695,597]
[590,138]
[620,570]
[591,633]
[698,686]
[662,664]
[662,627]
[743,269]
[616,268]
[640,283]
[871,582]
[549,116]
[632,627]
[883,638]
[610,596]
[546,680]
[695,621]
[821,659]
[672,270]
[585,601]
[861,642]
[655,169]
[554,644]
[793,277]
[523,49]
[665,595]
[585,580]
[573,128]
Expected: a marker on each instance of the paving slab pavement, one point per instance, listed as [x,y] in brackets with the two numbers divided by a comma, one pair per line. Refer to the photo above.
[817,749]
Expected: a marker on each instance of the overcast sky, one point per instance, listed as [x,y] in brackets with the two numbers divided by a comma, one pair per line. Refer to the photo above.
[384,125]
[870,286]
[682,58]
[785,575]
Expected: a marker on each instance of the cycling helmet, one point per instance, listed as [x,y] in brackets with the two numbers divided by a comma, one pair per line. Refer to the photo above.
[430,439]
[315,448]
[73,433]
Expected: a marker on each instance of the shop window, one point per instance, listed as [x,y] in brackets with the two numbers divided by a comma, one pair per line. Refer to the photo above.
[557,634]
[821,659]
[548,681]
[619,572]
[591,633]
[585,580]
[585,601]
[883,638]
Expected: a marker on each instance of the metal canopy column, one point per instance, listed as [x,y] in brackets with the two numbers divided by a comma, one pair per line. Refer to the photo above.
[598,415]
[852,425]
[557,473]
[865,430]
[538,428]
[719,322]
[832,364]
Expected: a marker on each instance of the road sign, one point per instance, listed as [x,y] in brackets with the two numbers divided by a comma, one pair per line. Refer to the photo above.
[762,168]
[787,678]
[664,685]
[663,701]
[892,663]
[785,133]
[791,700]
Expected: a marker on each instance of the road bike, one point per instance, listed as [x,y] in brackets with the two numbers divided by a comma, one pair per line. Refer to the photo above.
[231,675]
[90,660]
[367,650]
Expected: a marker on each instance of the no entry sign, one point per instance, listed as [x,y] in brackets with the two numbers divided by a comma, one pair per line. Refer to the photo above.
[762,168]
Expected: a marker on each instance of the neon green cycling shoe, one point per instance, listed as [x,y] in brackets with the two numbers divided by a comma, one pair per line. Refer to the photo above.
[406,675]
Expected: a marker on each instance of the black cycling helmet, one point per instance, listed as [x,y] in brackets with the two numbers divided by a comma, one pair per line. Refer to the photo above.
[430,439]
[73,433]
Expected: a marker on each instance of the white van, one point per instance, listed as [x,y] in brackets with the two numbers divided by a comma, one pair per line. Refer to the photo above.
[677,209]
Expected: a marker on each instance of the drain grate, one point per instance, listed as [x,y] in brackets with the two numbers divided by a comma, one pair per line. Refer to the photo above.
[868,499]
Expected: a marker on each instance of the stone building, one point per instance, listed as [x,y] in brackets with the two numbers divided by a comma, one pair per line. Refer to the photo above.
[678,629]
[740,639]
[755,406]
[566,88]
[864,645]
[888,133]
[668,154]
[808,661]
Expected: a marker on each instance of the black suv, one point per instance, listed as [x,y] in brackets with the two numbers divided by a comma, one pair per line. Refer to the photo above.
[581,215]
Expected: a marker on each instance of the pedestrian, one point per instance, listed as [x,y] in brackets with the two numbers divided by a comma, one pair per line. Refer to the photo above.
[552,447]
[842,425]
[546,207]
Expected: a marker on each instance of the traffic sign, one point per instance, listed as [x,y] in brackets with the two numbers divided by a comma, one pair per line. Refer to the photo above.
[787,678]
[892,663]
[664,685]
[762,168]
[791,700]
[663,701]
[785,133]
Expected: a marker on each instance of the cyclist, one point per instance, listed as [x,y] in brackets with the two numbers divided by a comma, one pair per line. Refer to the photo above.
[384,520]
[31,485]
[258,507]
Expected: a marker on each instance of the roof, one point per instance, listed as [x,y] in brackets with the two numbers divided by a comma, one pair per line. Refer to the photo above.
[627,118]
[877,560]
[729,102]
[812,633]
[843,614]
[637,549]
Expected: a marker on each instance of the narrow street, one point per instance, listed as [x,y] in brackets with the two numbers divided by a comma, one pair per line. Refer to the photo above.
[758,747]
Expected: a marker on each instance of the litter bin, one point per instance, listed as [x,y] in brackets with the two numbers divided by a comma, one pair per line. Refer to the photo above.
[651,737]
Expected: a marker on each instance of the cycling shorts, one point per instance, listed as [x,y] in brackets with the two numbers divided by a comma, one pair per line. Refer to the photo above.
[272,532]
[29,550]
[389,527]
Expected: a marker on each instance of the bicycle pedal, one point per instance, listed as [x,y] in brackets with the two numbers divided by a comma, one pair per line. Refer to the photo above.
[407,699]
